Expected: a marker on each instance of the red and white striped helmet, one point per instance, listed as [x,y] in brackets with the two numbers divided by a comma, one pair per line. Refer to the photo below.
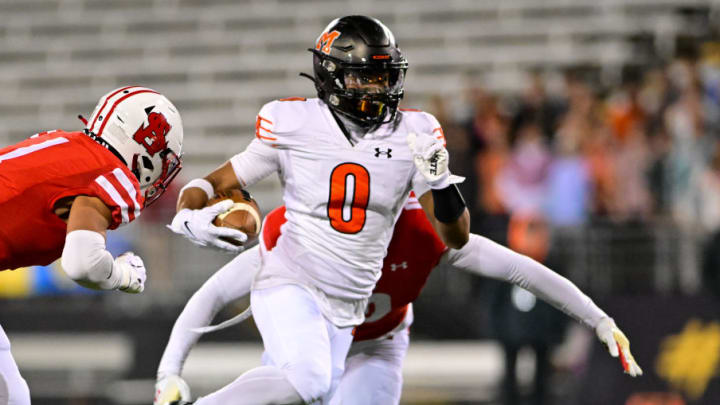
[143,128]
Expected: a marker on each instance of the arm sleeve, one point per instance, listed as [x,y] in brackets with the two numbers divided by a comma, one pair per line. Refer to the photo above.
[86,260]
[231,282]
[486,258]
[258,161]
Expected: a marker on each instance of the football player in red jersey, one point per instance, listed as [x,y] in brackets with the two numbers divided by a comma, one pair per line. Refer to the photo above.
[373,368]
[61,191]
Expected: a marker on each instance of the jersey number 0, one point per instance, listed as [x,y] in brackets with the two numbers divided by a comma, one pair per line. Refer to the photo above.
[345,178]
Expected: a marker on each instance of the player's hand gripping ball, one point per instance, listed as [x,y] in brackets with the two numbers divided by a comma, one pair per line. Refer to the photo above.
[243,215]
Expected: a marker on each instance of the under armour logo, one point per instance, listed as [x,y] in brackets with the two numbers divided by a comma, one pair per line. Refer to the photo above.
[402,265]
[379,152]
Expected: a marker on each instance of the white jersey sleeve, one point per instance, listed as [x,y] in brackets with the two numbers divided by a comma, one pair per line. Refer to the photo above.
[231,282]
[486,258]
[255,163]
[272,134]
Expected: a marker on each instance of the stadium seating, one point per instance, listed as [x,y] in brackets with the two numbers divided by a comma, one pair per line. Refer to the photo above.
[220,61]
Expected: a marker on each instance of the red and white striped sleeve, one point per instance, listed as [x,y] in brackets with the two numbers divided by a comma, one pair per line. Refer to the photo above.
[121,193]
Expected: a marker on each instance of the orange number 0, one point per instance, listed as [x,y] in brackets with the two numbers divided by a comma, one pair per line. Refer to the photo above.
[358,200]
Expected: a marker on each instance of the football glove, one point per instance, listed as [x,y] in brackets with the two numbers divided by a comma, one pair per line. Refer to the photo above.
[197,226]
[431,159]
[169,389]
[132,273]
[618,345]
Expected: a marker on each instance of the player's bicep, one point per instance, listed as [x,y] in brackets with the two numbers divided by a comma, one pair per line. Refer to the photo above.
[90,214]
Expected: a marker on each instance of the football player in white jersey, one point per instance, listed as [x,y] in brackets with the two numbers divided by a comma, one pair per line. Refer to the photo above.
[373,369]
[347,160]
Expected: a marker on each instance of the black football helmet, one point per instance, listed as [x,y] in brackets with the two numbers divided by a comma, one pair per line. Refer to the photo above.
[359,70]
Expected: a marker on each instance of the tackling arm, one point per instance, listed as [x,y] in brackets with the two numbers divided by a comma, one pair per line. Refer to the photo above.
[85,258]
[486,258]
[231,282]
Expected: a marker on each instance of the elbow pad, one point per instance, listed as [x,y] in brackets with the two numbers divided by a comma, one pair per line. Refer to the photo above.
[85,259]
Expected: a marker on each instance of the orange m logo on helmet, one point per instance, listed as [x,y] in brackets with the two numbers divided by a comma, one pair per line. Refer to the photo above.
[326,40]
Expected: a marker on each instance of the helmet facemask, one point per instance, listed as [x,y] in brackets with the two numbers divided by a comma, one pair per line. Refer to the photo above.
[368,95]
[142,167]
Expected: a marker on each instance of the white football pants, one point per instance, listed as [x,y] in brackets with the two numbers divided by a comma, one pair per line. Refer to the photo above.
[304,353]
[13,388]
[373,372]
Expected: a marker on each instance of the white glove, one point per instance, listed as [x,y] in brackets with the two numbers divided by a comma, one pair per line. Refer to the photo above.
[197,226]
[431,159]
[171,388]
[617,344]
[132,273]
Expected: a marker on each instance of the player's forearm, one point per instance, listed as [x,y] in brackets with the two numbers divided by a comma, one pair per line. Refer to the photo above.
[455,234]
[196,193]
[87,262]
[445,208]
[484,257]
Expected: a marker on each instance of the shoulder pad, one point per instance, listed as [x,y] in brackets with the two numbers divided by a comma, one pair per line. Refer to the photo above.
[281,118]
[421,122]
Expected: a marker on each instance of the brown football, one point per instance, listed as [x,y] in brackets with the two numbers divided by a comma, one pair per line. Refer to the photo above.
[244,215]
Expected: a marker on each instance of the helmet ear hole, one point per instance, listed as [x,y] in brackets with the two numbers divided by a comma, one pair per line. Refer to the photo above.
[147,163]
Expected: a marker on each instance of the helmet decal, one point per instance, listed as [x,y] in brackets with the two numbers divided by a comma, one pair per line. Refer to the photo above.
[152,136]
[326,40]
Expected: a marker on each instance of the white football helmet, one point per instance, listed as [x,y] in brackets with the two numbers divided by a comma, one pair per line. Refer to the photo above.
[143,128]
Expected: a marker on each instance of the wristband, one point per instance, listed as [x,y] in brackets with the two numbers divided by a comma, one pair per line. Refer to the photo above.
[202,184]
[449,204]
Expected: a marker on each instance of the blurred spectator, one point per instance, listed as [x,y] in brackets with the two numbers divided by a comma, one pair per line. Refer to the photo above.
[707,194]
[522,182]
[520,320]
[535,104]
[631,164]
[684,122]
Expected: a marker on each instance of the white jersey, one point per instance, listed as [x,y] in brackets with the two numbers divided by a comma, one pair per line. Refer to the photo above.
[342,198]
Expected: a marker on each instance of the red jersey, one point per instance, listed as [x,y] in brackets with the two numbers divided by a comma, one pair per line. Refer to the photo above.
[36,173]
[415,249]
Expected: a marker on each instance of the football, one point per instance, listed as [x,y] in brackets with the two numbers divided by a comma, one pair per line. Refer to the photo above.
[244,215]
